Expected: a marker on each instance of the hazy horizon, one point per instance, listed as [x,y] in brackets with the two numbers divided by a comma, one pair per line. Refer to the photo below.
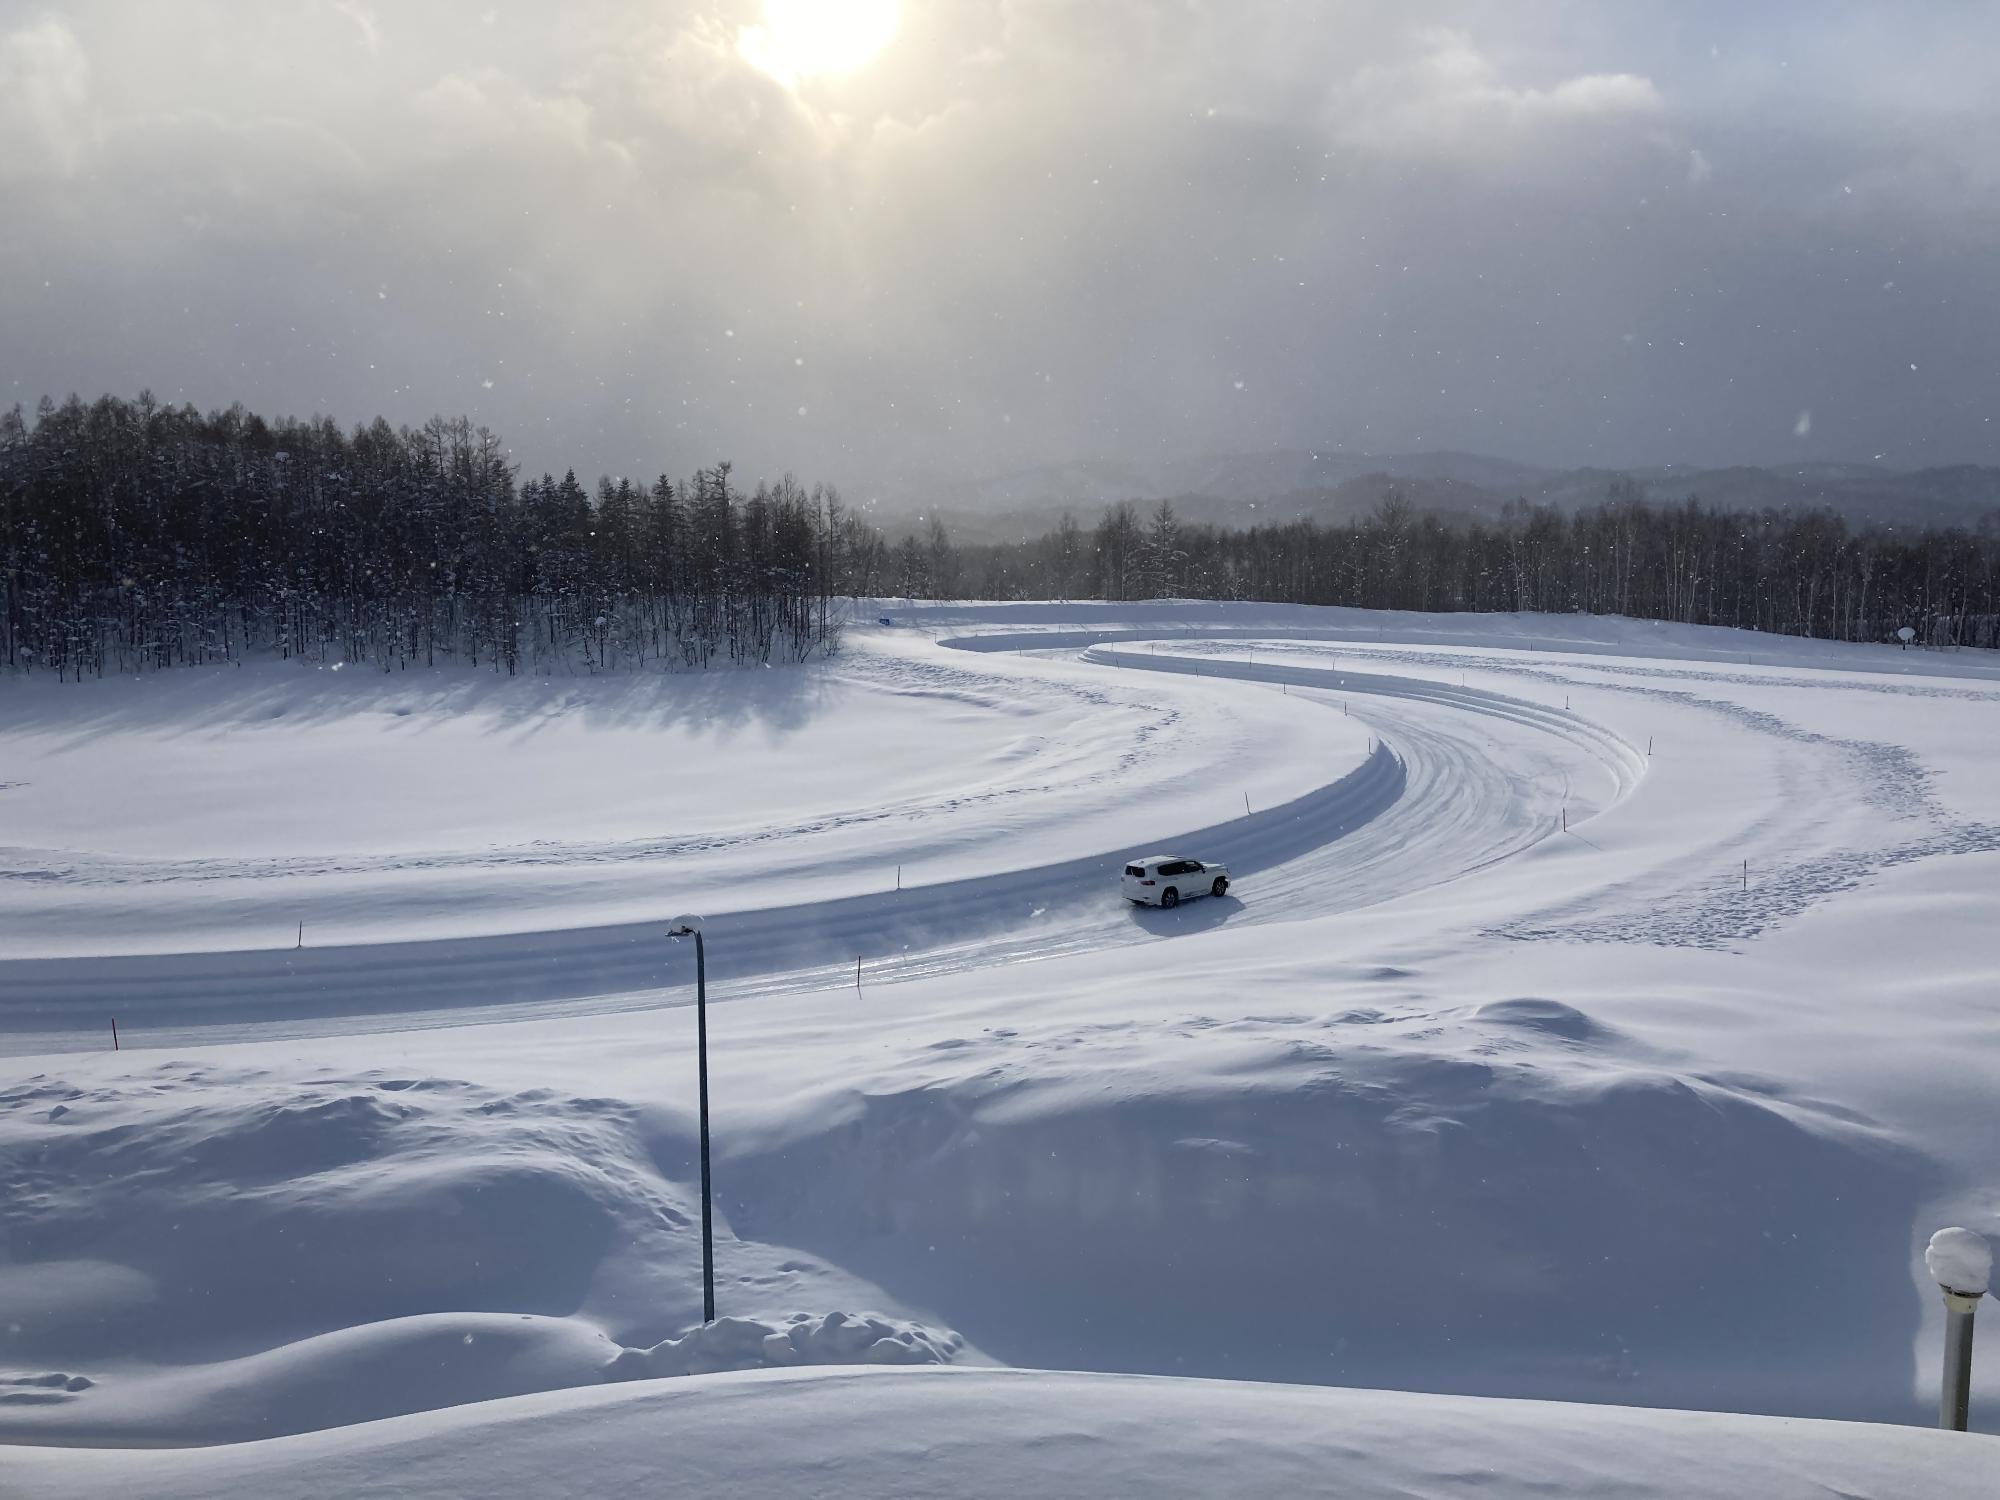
[978,239]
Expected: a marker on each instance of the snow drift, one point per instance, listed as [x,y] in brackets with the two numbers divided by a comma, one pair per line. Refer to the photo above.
[997,1435]
[203,1254]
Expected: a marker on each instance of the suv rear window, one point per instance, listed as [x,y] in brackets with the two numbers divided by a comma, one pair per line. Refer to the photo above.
[1135,870]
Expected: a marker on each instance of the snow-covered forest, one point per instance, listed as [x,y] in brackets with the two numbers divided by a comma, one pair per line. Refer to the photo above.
[1794,573]
[135,535]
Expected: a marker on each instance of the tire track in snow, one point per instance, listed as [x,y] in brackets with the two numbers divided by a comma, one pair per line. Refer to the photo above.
[908,678]
[1461,780]
[1797,851]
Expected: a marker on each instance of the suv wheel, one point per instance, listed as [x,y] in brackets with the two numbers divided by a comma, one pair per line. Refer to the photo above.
[1170,897]
[1221,885]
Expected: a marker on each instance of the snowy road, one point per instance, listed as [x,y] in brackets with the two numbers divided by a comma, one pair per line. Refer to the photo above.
[1459,779]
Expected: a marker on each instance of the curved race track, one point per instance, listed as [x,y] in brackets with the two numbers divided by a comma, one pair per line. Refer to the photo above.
[1460,778]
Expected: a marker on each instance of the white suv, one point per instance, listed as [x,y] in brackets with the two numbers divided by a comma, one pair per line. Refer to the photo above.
[1168,880]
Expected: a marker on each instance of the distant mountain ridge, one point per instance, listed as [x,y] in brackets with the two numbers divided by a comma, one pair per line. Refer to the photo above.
[1246,489]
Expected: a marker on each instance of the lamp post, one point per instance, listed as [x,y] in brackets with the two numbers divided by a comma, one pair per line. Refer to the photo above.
[1961,1262]
[691,927]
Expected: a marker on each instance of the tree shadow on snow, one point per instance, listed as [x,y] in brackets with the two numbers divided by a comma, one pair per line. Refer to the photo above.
[206,700]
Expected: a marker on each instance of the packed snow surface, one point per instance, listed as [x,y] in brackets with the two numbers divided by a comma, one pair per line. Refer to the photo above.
[228,808]
[997,1435]
[1603,1011]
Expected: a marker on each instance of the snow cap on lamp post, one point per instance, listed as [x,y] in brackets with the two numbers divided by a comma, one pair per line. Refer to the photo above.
[1961,1262]
[684,927]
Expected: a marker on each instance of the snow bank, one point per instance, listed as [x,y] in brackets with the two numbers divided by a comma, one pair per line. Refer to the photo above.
[422,1363]
[211,1254]
[1510,1197]
[998,1435]
[358,1374]
[747,1344]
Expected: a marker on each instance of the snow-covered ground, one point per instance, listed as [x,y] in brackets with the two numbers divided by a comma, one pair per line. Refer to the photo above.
[1605,1011]
[220,809]
[997,1435]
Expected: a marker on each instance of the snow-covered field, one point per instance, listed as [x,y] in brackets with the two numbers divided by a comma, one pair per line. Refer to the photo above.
[220,809]
[1605,1012]
[997,1435]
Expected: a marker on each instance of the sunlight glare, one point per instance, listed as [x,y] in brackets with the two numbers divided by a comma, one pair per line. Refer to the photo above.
[802,39]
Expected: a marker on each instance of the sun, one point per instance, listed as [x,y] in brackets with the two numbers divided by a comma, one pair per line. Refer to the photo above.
[803,39]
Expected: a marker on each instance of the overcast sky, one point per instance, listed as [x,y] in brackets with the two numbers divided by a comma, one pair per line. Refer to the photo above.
[636,235]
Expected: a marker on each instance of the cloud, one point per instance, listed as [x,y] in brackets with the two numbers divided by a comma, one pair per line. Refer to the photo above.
[45,116]
[1029,231]
[364,21]
[1598,94]
[1440,91]
[488,110]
